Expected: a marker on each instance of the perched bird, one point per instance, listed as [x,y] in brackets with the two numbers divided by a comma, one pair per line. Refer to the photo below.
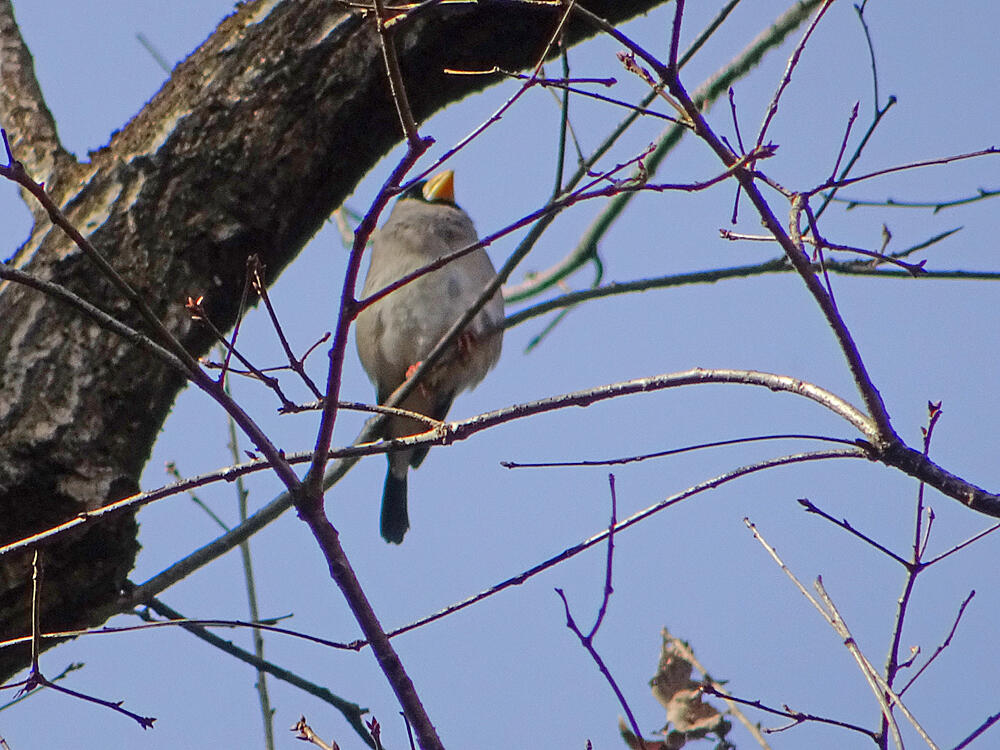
[397,332]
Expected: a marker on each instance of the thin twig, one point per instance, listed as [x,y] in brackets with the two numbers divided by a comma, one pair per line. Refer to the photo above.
[242,494]
[294,363]
[230,345]
[608,589]
[498,114]
[707,93]
[887,697]
[865,140]
[625,523]
[35,677]
[587,641]
[843,143]
[395,76]
[173,471]
[181,621]
[830,614]
[36,609]
[351,711]
[198,313]
[563,124]
[568,87]
[844,182]
[671,452]
[989,722]
[797,717]
[860,10]
[146,722]
[786,79]
[944,644]
[936,206]
[913,567]
[843,524]
[963,545]
[675,37]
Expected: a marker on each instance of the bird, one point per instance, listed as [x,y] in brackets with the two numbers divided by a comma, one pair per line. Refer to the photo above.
[398,331]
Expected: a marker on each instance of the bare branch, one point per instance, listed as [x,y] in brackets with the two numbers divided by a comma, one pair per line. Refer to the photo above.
[833,618]
[26,116]
[587,641]
[786,79]
[635,518]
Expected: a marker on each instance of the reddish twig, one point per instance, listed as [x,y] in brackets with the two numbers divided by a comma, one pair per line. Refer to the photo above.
[797,717]
[587,641]
[295,364]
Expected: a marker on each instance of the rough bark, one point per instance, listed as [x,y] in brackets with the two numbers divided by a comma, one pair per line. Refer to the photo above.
[247,148]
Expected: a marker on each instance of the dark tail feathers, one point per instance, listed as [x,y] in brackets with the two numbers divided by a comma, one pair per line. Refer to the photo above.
[395,520]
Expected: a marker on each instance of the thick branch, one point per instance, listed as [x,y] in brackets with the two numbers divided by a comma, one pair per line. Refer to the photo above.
[25,114]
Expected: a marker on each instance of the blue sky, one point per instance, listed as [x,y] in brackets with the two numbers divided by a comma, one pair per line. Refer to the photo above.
[507,673]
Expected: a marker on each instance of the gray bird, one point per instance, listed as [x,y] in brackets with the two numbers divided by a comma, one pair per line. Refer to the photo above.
[397,332]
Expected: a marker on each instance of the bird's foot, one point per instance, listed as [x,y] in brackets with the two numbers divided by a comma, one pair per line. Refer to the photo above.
[422,387]
[467,343]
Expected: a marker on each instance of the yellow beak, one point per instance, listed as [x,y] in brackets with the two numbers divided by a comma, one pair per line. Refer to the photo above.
[441,187]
